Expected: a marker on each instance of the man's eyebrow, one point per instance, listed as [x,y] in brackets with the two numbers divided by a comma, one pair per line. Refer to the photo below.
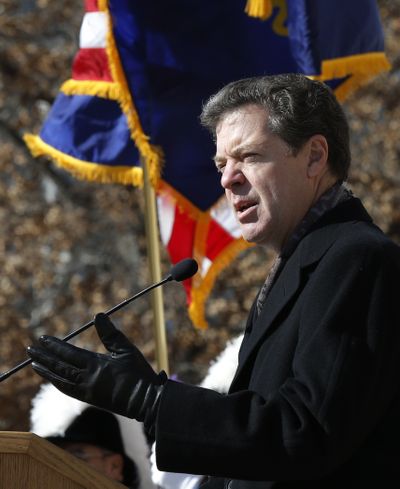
[248,148]
[239,150]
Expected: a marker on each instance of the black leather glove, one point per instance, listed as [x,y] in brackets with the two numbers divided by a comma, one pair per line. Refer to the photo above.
[122,381]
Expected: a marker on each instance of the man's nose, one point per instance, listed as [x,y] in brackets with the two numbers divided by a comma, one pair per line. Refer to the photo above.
[231,176]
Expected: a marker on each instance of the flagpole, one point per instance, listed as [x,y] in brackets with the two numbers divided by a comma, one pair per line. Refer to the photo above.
[153,247]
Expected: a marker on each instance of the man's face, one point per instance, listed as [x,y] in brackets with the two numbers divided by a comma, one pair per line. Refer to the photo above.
[108,463]
[266,185]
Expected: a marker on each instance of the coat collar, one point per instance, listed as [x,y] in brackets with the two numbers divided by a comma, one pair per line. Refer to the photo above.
[323,234]
[288,285]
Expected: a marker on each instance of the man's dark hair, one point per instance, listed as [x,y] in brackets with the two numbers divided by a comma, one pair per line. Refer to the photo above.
[297,108]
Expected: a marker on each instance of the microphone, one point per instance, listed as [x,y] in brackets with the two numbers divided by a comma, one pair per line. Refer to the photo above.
[180,271]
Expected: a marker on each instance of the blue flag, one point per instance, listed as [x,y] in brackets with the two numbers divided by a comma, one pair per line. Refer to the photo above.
[138,83]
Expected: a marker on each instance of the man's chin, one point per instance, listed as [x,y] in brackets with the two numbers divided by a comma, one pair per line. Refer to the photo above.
[257,238]
[252,237]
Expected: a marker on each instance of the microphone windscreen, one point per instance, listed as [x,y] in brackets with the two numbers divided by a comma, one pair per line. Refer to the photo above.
[184,269]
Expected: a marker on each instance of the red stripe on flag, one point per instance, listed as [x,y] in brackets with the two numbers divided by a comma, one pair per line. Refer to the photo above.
[217,240]
[91,64]
[180,244]
[91,6]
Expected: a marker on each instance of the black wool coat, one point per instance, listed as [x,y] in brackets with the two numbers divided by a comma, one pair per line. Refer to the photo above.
[315,400]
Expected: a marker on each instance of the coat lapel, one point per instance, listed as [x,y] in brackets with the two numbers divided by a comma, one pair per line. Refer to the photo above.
[281,293]
[283,290]
[291,280]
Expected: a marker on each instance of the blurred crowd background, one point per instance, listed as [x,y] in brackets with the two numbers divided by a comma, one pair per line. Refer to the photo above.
[69,248]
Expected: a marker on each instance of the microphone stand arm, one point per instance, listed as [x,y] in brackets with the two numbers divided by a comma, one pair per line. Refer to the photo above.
[74,333]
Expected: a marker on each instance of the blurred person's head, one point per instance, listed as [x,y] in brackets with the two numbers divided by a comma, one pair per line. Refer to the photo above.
[108,442]
[95,437]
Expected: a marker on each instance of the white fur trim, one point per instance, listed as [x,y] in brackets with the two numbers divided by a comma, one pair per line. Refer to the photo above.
[137,448]
[52,411]
[223,368]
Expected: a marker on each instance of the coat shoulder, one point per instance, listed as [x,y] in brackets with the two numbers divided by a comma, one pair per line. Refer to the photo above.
[351,240]
[366,240]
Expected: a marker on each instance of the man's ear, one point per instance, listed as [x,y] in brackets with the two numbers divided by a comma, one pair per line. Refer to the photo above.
[114,466]
[317,156]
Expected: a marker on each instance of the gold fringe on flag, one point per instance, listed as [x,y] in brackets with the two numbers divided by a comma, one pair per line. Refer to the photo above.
[152,155]
[261,9]
[359,68]
[184,204]
[103,89]
[85,170]
[201,291]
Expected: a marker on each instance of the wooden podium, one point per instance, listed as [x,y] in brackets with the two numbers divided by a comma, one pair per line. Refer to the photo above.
[30,462]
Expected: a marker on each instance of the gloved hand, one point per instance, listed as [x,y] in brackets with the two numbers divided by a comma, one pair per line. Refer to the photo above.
[122,381]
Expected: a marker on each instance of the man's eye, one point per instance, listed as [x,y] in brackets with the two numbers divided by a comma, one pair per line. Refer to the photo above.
[250,156]
[220,169]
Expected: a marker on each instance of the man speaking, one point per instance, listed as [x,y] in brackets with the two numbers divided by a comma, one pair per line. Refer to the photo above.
[315,400]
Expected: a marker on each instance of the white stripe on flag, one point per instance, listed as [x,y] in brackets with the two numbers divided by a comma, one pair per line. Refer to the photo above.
[223,214]
[93,30]
[166,217]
